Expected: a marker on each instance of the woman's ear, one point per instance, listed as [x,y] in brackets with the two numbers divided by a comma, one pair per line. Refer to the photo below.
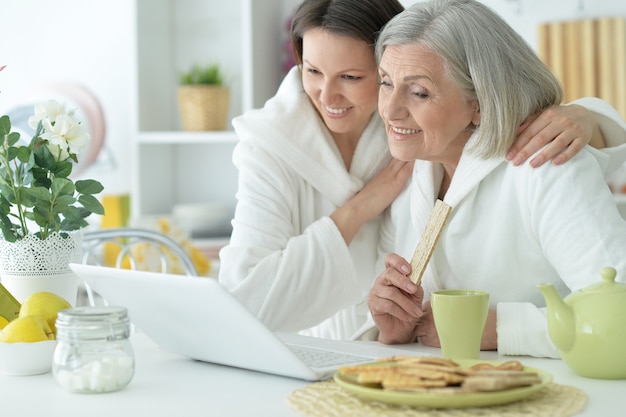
[476,108]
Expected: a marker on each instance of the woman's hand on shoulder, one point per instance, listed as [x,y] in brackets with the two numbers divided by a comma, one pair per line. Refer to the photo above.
[373,198]
[564,129]
[395,302]
[381,190]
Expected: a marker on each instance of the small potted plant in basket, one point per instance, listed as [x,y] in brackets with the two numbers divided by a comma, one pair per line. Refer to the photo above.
[203,98]
[42,210]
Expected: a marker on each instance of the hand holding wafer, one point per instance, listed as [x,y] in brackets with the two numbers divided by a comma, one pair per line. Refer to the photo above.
[395,302]
[393,307]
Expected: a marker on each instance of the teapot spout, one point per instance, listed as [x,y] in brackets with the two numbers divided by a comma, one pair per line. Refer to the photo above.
[561,322]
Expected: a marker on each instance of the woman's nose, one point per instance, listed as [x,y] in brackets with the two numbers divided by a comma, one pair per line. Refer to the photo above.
[391,106]
[328,91]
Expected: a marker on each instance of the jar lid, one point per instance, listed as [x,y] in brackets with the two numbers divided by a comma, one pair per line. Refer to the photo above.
[110,322]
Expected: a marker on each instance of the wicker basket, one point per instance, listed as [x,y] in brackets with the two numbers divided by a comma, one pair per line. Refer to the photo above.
[203,107]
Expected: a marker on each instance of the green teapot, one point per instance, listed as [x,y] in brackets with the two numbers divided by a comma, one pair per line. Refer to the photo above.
[588,327]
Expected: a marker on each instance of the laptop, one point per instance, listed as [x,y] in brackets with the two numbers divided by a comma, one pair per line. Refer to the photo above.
[200,319]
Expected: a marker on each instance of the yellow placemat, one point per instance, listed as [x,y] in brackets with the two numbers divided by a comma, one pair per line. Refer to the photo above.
[327,399]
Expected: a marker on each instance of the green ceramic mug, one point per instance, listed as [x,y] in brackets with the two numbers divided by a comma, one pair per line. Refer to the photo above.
[460,317]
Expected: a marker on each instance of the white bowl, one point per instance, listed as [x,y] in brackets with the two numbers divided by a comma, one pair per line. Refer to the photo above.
[203,218]
[22,359]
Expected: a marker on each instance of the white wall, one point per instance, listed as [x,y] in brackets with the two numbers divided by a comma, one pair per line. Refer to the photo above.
[92,42]
[524,15]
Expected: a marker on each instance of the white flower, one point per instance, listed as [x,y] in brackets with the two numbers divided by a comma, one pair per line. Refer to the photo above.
[67,134]
[48,110]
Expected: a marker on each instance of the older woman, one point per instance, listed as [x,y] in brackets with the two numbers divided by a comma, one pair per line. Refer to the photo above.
[456,81]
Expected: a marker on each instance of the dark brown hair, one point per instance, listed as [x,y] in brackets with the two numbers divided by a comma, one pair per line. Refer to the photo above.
[360,19]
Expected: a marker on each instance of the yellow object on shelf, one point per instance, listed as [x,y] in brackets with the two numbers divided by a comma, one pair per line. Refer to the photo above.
[116,214]
[116,210]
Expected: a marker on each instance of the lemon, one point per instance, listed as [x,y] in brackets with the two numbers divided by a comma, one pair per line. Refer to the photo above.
[26,329]
[3,322]
[46,305]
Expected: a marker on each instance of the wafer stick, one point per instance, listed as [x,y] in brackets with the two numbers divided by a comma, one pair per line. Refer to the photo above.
[428,241]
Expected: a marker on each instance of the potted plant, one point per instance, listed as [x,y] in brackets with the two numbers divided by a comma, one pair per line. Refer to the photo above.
[42,210]
[203,98]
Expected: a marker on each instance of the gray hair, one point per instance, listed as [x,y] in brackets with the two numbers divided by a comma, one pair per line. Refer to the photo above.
[484,57]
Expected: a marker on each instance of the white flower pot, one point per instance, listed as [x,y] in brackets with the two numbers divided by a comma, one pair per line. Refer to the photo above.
[32,265]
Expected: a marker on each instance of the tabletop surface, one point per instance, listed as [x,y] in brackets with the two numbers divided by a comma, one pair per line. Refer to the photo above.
[167,384]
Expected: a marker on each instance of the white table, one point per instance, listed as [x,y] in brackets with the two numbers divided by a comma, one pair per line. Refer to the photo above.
[169,385]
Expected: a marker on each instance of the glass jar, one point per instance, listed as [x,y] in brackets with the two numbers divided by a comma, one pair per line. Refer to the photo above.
[93,352]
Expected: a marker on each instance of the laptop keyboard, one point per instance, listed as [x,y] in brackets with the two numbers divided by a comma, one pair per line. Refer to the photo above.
[318,358]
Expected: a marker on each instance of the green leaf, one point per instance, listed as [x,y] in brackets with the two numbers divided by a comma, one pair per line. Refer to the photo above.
[91,203]
[7,193]
[35,196]
[6,221]
[88,187]
[63,169]
[5,207]
[13,138]
[41,215]
[40,177]
[8,234]
[70,225]
[28,178]
[44,158]
[72,213]
[74,218]
[5,125]
[12,153]
[62,186]
[23,153]
[62,202]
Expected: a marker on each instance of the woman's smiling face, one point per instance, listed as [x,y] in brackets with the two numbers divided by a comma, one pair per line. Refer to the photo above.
[426,116]
[339,76]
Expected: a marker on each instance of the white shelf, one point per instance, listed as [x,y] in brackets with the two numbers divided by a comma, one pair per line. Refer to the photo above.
[182,138]
[247,38]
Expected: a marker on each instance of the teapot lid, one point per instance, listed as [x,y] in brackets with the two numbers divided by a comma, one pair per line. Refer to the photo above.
[608,283]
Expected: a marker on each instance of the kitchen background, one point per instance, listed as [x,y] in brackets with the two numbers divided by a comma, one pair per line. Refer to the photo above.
[125,56]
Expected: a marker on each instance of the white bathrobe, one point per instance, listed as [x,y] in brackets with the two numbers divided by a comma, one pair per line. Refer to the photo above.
[287,261]
[512,228]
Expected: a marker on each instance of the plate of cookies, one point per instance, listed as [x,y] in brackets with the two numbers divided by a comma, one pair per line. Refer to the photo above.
[423,381]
